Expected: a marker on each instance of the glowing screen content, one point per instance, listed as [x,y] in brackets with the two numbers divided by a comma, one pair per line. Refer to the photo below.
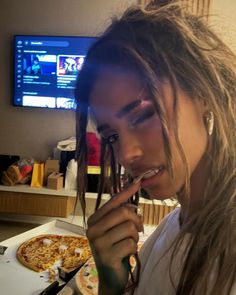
[46,70]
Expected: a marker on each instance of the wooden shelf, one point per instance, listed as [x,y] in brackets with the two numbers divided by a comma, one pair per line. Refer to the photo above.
[22,199]
[34,201]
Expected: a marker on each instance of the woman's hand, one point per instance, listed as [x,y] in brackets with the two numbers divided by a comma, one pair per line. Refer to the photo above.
[113,236]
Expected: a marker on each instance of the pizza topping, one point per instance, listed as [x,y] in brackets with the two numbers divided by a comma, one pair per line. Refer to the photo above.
[47,242]
[78,251]
[63,248]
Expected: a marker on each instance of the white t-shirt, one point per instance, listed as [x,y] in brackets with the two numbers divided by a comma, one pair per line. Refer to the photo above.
[155,257]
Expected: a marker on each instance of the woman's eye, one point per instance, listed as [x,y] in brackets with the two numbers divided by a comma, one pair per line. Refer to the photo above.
[145,115]
[112,138]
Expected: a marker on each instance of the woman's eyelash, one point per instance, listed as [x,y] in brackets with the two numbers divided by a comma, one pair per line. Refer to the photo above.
[139,119]
[143,116]
[112,138]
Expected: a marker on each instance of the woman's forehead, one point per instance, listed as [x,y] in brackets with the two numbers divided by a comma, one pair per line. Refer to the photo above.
[114,86]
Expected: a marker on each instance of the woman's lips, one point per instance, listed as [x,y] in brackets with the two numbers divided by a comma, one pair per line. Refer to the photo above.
[148,174]
[152,180]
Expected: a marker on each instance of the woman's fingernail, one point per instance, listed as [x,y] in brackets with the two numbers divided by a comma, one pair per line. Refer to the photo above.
[137,179]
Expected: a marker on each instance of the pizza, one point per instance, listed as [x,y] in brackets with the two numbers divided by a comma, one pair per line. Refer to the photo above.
[47,252]
[87,277]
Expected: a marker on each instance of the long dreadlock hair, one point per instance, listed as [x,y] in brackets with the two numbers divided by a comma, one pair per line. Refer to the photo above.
[165,42]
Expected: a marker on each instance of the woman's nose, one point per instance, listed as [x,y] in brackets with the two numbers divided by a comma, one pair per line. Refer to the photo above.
[130,151]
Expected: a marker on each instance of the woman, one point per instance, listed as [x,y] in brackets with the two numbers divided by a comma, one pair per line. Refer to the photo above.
[161,88]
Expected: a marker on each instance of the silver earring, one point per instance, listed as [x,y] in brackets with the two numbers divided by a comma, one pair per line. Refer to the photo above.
[209,121]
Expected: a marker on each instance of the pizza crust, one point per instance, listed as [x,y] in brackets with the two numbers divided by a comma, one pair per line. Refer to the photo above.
[20,256]
[28,265]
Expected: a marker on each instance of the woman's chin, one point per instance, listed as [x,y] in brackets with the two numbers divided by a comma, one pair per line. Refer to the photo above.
[157,195]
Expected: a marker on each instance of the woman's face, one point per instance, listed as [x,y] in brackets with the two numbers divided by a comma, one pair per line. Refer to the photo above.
[125,116]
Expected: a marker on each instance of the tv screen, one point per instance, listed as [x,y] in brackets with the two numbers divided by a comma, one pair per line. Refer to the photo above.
[46,69]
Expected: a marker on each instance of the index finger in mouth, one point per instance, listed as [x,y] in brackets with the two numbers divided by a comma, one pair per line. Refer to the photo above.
[115,202]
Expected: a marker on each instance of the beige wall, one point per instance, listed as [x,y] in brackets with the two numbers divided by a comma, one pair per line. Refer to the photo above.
[223,20]
[31,131]
[34,132]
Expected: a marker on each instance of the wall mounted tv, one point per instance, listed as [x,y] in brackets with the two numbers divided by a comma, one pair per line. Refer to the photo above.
[46,69]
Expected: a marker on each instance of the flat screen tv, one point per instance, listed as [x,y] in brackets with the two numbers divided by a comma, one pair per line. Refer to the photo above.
[46,69]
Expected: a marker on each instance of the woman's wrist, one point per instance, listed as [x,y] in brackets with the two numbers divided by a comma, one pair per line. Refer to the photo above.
[104,290]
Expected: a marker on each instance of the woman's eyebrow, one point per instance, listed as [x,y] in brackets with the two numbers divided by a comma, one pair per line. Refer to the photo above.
[128,108]
[124,111]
